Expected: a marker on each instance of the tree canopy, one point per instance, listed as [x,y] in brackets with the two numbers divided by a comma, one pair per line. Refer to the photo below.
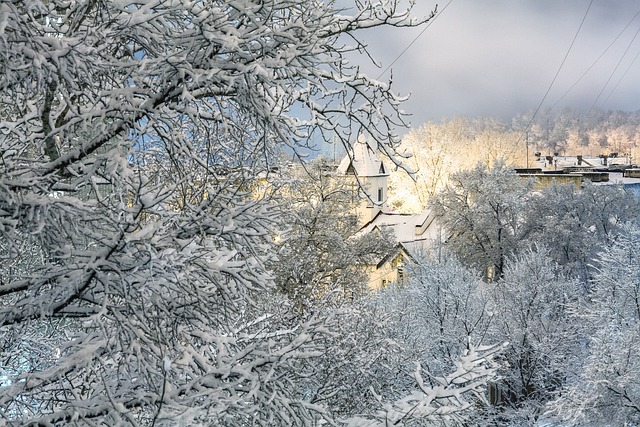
[133,246]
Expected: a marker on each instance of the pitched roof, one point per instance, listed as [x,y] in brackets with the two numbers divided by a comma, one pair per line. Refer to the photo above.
[406,228]
[398,249]
[362,161]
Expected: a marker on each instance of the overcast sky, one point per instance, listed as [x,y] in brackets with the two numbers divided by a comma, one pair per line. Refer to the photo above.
[499,57]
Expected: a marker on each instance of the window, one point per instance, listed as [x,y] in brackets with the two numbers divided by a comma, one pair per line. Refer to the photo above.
[380,195]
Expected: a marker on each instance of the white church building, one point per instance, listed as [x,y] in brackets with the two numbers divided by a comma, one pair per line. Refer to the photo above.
[414,233]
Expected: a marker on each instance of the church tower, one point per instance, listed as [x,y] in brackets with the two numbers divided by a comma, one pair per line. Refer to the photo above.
[363,165]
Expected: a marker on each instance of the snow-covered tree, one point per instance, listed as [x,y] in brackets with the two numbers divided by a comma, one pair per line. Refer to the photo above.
[531,310]
[603,389]
[437,316]
[439,150]
[571,132]
[575,223]
[450,402]
[492,213]
[131,136]
[437,312]
[433,148]
[482,211]
[321,253]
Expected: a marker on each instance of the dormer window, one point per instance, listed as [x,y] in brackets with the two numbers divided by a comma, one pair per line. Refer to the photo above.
[382,171]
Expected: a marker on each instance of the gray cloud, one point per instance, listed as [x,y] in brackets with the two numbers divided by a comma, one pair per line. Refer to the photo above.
[498,58]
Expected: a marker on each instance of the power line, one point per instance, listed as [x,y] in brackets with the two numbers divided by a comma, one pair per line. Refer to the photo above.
[621,78]
[597,60]
[614,70]
[557,73]
[415,39]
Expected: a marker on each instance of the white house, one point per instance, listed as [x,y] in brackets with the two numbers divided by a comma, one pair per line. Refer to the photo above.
[413,233]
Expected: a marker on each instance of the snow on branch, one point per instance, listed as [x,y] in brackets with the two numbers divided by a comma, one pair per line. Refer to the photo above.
[445,398]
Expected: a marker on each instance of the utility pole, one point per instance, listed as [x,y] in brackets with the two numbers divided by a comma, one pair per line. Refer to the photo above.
[527,144]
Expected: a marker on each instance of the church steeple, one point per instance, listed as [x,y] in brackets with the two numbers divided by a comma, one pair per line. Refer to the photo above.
[363,163]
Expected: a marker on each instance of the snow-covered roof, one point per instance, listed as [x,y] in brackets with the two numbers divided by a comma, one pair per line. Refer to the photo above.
[560,162]
[414,234]
[617,178]
[362,161]
[406,228]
